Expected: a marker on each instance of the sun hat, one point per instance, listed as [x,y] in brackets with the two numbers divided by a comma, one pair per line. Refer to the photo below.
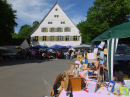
[92,57]
[101,45]
[105,51]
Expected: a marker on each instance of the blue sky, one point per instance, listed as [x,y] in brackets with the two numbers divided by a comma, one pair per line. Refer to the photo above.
[35,10]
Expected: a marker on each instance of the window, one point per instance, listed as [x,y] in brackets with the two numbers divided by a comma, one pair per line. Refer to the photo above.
[62,22]
[67,38]
[56,16]
[56,9]
[67,29]
[52,29]
[44,29]
[36,38]
[44,38]
[59,38]
[59,29]
[75,38]
[49,22]
[52,38]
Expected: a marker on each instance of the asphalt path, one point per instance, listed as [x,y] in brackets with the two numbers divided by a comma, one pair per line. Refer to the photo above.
[29,78]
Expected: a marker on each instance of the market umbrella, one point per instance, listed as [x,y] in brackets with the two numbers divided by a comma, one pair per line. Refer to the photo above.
[82,46]
[32,48]
[112,35]
[39,46]
[68,46]
[56,47]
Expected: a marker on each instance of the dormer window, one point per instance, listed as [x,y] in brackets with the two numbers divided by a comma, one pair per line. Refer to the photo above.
[56,16]
[49,22]
[56,9]
[62,22]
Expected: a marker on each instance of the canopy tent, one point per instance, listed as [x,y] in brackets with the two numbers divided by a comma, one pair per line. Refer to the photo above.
[82,46]
[56,47]
[112,35]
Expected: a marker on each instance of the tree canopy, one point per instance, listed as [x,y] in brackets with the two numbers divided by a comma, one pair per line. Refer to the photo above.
[7,21]
[102,16]
[25,30]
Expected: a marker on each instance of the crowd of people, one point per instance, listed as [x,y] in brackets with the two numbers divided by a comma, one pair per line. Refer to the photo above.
[34,54]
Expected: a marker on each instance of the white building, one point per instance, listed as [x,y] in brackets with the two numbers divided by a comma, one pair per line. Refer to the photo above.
[56,28]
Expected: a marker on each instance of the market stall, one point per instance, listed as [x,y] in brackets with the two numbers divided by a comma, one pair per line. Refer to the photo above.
[112,35]
[82,79]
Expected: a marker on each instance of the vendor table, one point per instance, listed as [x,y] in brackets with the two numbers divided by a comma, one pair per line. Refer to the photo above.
[103,93]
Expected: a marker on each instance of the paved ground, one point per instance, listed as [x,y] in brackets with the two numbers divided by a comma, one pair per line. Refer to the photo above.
[29,78]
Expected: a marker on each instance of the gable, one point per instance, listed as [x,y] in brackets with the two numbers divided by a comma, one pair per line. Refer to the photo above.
[57,21]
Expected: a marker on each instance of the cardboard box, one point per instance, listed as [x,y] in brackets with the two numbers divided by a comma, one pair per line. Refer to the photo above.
[75,82]
[79,57]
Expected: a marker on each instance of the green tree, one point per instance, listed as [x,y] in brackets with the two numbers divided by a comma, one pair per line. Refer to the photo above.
[25,30]
[7,21]
[102,16]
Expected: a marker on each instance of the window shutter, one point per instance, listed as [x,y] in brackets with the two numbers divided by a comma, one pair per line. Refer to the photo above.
[41,29]
[61,29]
[49,29]
[71,38]
[55,29]
[78,38]
[46,29]
[41,37]
[55,38]
[48,38]
[69,29]
[64,30]
[38,38]
[63,38]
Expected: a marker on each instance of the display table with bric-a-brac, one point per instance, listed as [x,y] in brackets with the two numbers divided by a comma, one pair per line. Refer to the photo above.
[84,85]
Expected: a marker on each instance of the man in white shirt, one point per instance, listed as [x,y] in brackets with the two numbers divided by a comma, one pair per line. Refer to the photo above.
[67,55]
[64,55]
[72,57]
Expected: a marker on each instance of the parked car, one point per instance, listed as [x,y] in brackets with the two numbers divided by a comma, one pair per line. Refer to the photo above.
[122,57]
[9,54]
[122,52]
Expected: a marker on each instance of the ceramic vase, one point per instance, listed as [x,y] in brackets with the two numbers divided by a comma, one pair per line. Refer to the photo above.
[76,72]
[117,86]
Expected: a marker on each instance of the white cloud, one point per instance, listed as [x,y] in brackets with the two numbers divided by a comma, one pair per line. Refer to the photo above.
[69,6]
[35,10]
[30,10]
[77,18]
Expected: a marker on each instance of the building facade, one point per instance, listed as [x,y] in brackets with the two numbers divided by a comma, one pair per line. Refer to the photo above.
[56,28]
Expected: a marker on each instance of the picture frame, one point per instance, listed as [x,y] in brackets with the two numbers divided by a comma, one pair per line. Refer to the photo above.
[111,85]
